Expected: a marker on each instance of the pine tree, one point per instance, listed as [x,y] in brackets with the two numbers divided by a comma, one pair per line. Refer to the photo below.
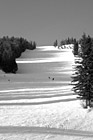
[55,43]
[83,77]
[75,48]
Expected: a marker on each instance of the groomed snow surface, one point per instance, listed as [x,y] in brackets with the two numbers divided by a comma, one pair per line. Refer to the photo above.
[35,108]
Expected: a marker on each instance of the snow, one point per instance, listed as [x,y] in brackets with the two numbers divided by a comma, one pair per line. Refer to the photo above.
[48,48]
[43,108]
[59,57]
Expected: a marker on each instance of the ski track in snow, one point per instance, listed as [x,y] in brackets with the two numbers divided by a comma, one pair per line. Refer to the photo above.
[54,131]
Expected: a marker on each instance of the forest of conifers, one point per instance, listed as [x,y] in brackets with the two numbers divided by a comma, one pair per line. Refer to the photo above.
[10,49]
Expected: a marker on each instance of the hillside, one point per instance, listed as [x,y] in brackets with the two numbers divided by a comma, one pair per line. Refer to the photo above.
[32,102]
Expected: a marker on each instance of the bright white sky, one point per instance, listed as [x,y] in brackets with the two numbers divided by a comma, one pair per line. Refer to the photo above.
[46,20]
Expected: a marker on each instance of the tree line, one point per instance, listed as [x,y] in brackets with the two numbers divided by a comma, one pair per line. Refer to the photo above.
[68,41]
[65,41]
[10,49]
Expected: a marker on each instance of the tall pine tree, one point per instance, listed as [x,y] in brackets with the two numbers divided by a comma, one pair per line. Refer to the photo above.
[83,77]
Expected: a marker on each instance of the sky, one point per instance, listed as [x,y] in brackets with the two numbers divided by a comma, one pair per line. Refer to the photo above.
[44,21]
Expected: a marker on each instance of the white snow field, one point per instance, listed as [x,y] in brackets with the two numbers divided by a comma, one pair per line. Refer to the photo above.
[37,103]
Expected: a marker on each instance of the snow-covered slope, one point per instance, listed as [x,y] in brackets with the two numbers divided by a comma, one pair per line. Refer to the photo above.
[43,102]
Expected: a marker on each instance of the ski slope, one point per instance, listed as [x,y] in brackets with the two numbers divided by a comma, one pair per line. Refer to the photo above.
[33,106]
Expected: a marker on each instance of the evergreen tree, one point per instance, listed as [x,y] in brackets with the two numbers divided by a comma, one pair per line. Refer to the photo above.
[10,49]
[8,63]
[62,43]
[55,43]
[83,77]
[75,48]
[68,40]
